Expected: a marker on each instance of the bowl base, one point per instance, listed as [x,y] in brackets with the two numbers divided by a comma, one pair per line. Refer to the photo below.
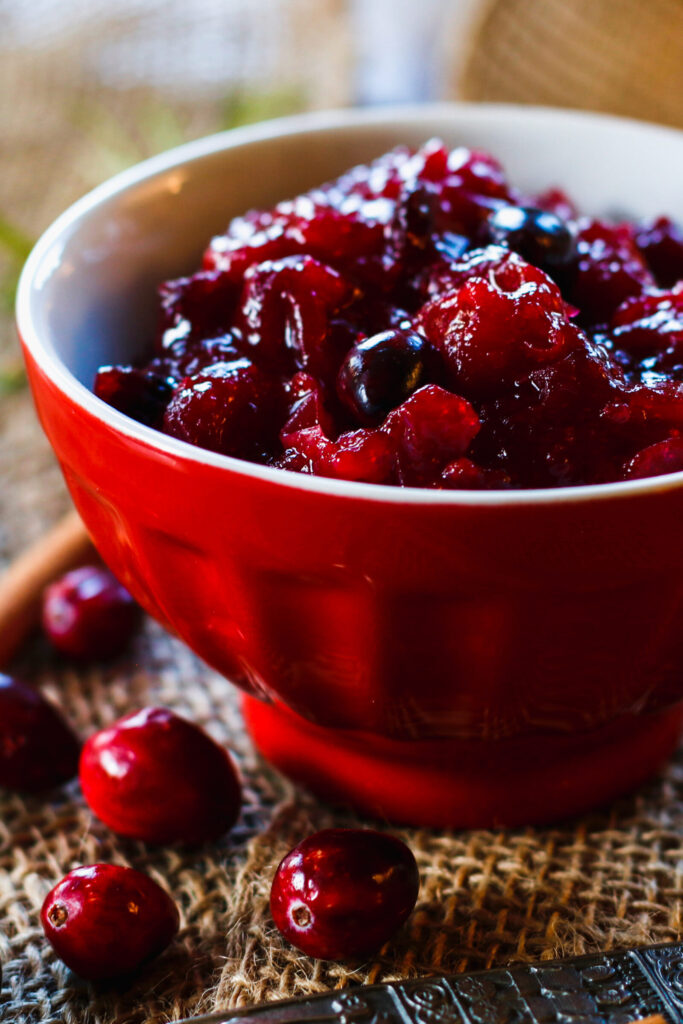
[466,784]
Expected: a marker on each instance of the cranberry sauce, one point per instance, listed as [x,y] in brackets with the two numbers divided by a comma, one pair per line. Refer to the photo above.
[420,322]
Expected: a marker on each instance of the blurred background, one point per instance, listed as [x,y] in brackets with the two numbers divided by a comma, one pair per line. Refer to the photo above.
[88,87]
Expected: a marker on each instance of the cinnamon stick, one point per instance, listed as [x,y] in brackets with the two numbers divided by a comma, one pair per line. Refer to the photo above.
[66,546]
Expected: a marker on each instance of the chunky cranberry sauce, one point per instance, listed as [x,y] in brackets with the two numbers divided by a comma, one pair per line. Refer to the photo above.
[421,322]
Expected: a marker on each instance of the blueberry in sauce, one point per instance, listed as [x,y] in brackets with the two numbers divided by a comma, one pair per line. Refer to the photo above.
[380,372]
[539,236]
[139,393]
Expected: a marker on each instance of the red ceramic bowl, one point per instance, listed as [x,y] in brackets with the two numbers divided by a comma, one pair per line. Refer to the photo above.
[442,658]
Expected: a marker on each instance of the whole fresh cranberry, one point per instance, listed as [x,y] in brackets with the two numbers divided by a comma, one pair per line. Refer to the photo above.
[37,748]
[537,235]
[381,372]
[342,893]
[157,777]
[104,920]
[88,614]
[232,408]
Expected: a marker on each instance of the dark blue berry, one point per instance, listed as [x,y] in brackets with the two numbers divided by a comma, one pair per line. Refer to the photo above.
[380,372]
[542,238]
[141,394]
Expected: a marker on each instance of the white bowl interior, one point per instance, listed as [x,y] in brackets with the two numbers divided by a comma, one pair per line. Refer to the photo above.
[89,288]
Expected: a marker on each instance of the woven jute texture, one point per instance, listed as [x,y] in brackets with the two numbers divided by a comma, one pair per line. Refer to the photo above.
[619,56]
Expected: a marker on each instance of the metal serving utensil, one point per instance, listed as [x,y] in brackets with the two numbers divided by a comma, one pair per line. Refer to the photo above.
[633,985]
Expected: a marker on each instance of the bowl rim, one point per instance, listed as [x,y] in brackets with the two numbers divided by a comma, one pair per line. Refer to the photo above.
[41,261]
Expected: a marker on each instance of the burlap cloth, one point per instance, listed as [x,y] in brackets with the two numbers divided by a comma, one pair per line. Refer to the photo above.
[619,56]
[610,879]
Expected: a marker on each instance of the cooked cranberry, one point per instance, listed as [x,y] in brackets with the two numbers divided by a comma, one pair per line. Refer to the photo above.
[434,155]
[306,407]
[430,429]
[553,425]
[307,437]
[183,358]
[646,332]
[661,243]
[342,893]
[644,410]
[37,748]
[429,222]
[479,172]
[415,216]
[650,321]
[313,224]
[87,614]
[248,242]
[157,777]
[197,307]
[381,372]
[609,269]
[464,475]
[556,201]
[361,455]
[330,231]
[495,328]
[540,237]
[105,920]
[657,459]
[233,408]
[140,394]
[285,307]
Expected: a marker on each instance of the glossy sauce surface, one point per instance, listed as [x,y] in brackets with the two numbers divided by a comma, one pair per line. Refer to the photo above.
[419,322]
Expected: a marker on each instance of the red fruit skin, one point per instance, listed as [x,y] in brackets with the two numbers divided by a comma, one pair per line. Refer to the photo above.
[342,893]
[497,328]
[37,748]
[609,269]
[429,430]
[155,776]
[87,614]
[104,920]
[660,242]
[285,309]
[657,459]
[232,408]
